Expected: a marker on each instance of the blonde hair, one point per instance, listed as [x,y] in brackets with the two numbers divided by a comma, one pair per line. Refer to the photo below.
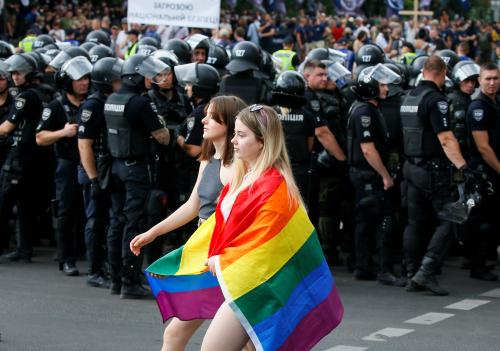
[266,126]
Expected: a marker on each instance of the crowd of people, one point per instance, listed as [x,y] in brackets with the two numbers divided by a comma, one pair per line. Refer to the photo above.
[103,125]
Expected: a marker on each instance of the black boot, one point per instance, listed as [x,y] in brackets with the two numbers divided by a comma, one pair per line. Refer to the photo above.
[69,269]
[425,279]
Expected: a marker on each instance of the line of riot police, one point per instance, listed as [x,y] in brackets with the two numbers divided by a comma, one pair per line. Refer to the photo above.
[112,146]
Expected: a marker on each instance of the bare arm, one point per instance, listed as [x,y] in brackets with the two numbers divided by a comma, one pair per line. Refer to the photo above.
[451,148]
[162,136]
[191,150]
[87,157]
[481,140]
[329,142]
[47,137]
[7,128]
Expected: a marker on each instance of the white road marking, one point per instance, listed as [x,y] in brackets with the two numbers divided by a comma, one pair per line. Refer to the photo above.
[387,333]
[429,318]
[492,293]
[347,348]
[467,304]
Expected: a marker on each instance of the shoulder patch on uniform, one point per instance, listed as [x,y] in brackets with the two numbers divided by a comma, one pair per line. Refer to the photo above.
[86,115]
[366,121]
[190,123]
[13,91]
[443,107]
[478,114]
[315,105]
[366,134]
[46,113]
[153,107]
[20,102]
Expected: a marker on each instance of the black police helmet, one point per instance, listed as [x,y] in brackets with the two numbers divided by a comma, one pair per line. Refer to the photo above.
[217,57]
[139,66]
[98,52]
[41,59]
[6,50]
[167,57]
[417,65]
[99,36]
[405,74]
[465,70]
[66,55]
[244,56]
[145,49]
[106,71]
[267,68]
[203,77]
[43,40]
[149,41]
[52,53]
[289,90]
[72,70]
[88,45]
[450,58]
[370,54]
[366,88]
[318,54]
[180,48]
[22,63]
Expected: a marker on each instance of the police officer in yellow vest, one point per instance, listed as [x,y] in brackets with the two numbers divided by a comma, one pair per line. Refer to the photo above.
[288,58]
[26,45]
[133,38]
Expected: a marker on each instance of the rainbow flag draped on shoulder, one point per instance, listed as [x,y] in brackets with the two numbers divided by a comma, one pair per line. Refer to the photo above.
[270,270]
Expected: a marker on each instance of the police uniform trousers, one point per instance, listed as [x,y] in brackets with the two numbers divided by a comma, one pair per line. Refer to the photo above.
[374,219]
[131,183]
[69,200]
[484,234]
[96,213]
[428,190]
[17,185]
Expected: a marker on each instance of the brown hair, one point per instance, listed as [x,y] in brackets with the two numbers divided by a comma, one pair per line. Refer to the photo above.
[488,66]
[434,65]
[224,111]
[312,64]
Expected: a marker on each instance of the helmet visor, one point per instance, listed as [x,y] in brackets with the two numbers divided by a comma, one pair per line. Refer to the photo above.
[186,74]
[168,55]
[337,71]
[4,69]
[381,74]
[59,60]
[150,67]
[336,55]
[467,71]
[77,67]
[17,63]
[196,39]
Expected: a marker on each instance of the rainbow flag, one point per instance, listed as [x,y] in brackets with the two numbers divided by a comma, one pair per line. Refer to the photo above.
[270,270]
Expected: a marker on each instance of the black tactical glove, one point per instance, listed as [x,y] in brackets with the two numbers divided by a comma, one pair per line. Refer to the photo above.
[95,188]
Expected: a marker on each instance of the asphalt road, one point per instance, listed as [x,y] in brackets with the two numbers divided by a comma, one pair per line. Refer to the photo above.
[40,309]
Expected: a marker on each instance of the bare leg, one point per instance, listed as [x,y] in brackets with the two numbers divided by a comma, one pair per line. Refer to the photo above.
[225,332]
[177,334]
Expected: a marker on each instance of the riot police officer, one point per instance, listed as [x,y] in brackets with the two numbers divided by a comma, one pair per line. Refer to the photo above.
[99,36]
[328,172]
[59,126]
[368,156]
[6,104]
[98,52]
[18,174]
[242,82]
[298,125]
[200,44]
[483,121]
[464,75]
[429,147]
[130,122]
[93,172]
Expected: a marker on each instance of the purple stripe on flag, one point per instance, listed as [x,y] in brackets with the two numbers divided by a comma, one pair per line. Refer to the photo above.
[318,323]
[188,305]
